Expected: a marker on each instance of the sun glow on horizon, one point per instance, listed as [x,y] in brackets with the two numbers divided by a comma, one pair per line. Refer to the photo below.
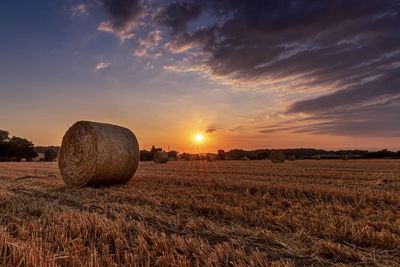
[199,138]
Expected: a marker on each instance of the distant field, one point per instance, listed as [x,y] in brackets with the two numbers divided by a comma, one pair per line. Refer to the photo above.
[227,213]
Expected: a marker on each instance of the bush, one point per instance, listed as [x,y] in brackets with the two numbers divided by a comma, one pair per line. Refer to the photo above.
[173,154]
[15,148]
[146,155]
[50,155]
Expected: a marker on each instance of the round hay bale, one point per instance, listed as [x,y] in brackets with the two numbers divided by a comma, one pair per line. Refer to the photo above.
[345,157]
[160,157]
[277,156]
[95,153]
[291,157]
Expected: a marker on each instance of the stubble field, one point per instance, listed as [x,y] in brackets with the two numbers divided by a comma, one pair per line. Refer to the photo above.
[227,213]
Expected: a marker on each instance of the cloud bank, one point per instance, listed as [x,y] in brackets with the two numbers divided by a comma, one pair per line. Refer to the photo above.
[347,51]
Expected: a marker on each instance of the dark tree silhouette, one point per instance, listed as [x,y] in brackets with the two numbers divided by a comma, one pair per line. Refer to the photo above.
[145,155]
[173,154]
[221,154]
[20,148]
[185,156]
[4,138]
[50,155]
[15,148]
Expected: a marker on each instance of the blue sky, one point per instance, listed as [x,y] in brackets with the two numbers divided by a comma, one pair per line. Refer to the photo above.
[247,75]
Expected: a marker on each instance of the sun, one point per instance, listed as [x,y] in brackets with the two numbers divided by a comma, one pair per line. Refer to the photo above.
[199,138]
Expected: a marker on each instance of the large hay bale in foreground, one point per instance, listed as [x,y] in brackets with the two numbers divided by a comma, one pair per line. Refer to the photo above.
[95,153]
[277,156]
[160,157]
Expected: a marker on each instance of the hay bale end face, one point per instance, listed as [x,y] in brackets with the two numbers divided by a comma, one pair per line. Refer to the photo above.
[95,153]
[277,156]
[160,157]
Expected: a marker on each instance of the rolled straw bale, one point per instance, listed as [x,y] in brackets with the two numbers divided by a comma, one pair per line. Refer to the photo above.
[291,157]
[277,156]
[160,157]
[95,153]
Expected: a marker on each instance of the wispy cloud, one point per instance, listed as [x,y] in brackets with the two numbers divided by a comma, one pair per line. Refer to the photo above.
[123,34]
[371,118]
[79,10]
[101,65]
[123,17]
[148,43]
[211,130]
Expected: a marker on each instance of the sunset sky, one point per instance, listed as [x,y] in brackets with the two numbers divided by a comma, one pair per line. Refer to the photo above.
[246,74]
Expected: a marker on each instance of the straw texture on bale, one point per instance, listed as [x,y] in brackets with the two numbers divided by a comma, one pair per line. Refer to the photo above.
[277,156]
[160,157]
[95,153]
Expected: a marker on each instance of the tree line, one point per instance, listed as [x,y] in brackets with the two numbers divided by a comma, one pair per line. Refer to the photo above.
[262,154]
[16,148]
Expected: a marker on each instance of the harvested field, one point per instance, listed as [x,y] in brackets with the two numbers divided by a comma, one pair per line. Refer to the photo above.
[220,213]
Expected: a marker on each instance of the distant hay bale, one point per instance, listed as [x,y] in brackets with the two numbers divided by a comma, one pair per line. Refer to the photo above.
[345,157]
[277,156]
[317,157]
[160,157]
[291,157]
[95,153]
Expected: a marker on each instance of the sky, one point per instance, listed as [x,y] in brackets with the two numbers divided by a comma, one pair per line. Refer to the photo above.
[245,74]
